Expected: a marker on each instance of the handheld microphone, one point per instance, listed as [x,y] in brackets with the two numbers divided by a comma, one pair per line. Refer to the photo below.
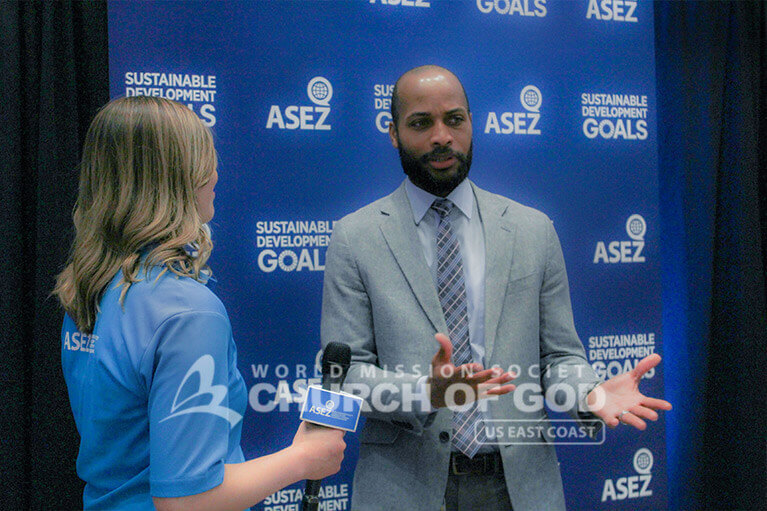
[335,364]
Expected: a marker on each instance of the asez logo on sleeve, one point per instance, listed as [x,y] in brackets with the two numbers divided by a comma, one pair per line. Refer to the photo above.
[205,369]
[79,341]
[305,117]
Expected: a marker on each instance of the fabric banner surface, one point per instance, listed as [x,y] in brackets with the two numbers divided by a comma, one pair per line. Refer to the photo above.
[297,94]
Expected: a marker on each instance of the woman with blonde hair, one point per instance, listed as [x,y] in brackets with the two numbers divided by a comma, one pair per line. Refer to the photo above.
[147,349]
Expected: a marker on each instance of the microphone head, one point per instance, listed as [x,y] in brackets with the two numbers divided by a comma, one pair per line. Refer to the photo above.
[339,355]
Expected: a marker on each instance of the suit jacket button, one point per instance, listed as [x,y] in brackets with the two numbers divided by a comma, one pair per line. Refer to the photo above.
[444,436]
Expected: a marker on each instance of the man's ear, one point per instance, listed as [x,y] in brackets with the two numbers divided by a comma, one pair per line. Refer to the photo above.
[393,135]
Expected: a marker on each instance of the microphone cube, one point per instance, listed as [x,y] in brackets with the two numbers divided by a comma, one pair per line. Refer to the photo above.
[337,410]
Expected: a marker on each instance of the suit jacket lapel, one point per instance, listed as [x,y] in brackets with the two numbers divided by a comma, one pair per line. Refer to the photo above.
[400,234]
[499,252]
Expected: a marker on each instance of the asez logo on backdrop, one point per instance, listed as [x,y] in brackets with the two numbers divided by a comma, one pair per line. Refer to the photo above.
[612,10]
[305,117]
[512,7]
[520,123]
[628,251]
[404,3]
[632,487]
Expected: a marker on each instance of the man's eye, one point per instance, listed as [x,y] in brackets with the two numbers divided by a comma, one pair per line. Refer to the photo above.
[419,124]
[455,120]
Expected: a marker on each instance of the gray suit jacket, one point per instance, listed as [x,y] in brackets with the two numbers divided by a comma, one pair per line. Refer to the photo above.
[379,298]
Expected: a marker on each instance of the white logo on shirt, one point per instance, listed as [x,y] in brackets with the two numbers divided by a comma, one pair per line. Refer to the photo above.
[205,367]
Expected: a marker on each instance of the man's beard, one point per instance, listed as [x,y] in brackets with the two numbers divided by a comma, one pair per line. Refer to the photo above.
[418,169]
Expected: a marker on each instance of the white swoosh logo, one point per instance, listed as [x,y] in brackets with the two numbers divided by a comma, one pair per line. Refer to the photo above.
[205,367]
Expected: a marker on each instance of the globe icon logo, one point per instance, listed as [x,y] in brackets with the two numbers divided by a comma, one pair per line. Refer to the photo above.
[531,98]
[330,405]
[636,227]
[319,90]
[643,461]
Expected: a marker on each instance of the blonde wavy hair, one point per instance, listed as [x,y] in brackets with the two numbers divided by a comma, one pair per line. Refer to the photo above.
[144,158]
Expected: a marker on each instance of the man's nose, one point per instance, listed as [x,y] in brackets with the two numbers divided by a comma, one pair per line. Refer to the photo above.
[441,135]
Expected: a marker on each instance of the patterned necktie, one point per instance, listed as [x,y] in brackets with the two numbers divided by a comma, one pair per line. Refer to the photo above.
[467,426]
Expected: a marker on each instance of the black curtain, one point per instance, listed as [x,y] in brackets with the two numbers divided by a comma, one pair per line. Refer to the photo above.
[712,119]
[54,77]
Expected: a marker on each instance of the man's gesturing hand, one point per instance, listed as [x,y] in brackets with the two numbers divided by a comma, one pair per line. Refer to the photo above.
[476,382]
[619,400]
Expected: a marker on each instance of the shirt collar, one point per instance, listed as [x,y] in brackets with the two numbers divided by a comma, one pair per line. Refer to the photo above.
[421,200]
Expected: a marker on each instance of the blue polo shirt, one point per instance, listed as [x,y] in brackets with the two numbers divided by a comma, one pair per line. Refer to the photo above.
[155,391]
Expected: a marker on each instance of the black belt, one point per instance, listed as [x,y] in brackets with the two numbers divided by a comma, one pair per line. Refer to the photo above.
[481,464]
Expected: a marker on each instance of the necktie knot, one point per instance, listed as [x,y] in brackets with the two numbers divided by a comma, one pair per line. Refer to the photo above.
[442,207]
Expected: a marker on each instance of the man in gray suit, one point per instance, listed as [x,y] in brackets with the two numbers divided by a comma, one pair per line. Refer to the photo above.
[441,256]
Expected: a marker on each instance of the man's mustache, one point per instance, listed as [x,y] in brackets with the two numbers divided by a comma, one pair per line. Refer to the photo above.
[442,153]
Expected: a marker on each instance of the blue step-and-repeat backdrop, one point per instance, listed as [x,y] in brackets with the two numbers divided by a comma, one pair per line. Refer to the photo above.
[297,94]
